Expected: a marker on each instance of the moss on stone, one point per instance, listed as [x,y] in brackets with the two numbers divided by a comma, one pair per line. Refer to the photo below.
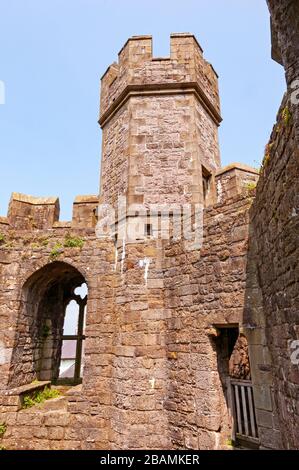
[40,396]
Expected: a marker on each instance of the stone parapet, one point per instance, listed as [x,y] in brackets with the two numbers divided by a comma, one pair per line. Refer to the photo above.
[234,179]
[138,72]
[38,213]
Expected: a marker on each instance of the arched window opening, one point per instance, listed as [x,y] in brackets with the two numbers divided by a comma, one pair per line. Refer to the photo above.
[71,359]
[49,341]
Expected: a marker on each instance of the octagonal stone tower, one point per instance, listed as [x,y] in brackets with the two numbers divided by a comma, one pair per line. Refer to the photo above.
[158,309]
[160,119]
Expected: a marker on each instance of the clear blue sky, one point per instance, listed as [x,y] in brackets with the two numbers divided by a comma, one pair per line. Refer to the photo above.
[53,53]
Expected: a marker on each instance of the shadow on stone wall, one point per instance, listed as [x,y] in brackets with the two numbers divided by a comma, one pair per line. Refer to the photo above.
[271,314]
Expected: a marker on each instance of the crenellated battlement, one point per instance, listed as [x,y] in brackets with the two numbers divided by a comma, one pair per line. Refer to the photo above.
[34,213]
[137,71]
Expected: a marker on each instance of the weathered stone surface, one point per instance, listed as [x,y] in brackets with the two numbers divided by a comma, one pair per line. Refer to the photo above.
[271,308]
[162,320]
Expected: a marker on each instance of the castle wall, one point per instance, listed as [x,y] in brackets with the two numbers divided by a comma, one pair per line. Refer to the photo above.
[120,402]
[139,418]
[272,287]
[204,288]
[235,179]
[158,314]
[271,308]
[21,256]
[152,377]
[115,156]
[27,212]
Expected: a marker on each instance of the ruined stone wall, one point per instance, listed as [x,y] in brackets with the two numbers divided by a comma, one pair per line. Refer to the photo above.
[271,313]
[285,26]
[271,310]
[24,252]
[235,179]
[203,289]
[157,347]
[139,418]
[120,403]
[152,377]
[239,363]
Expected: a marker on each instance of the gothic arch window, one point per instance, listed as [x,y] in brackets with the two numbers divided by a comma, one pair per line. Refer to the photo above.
[71,358]
[50,327]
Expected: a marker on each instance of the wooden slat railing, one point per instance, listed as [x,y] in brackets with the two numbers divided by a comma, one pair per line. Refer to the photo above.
[243,410]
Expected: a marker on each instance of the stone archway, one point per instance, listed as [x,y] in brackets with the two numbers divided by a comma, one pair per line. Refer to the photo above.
[39,331]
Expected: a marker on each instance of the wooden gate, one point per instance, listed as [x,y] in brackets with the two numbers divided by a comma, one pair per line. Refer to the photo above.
[241,399]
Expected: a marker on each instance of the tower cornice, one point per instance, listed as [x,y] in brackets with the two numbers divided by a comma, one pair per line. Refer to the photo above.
[157,89]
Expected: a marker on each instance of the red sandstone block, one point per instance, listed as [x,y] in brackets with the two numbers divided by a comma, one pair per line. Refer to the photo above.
[127,351]
[57,419]
[73,445]
[40,432]
[150,351]
[138,306]
[13,400]
[56,433]
[30,419]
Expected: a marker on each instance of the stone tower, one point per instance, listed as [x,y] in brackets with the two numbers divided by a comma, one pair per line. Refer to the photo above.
[162,316]
[160,118]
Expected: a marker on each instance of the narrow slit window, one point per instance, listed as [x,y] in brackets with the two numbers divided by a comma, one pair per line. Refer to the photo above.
[206,183]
